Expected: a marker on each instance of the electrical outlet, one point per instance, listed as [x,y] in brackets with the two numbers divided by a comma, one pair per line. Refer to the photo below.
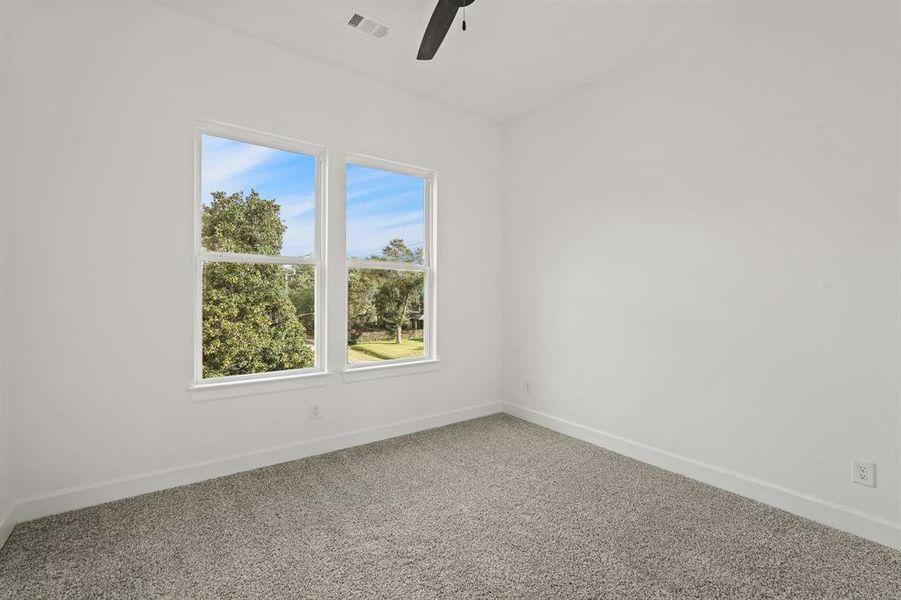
[315,411]
[527,387]
[864,472]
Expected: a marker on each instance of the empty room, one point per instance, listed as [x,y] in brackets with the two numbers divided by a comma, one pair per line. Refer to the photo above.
[412,299]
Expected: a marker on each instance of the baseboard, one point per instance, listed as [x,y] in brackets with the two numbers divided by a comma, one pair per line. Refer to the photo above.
[822,511]
[6,524]
[810,507]
[74,498]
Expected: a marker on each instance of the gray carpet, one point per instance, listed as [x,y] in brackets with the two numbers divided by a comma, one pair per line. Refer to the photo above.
[490,508]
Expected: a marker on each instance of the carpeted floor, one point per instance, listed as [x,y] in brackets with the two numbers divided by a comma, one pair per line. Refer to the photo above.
[490,508]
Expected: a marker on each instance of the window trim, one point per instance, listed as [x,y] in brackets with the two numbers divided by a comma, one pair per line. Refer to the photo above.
[428,267]
[318,260]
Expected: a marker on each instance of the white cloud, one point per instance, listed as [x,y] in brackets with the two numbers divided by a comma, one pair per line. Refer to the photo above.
[368,235]
[227,163]
[358,177]
[296,205]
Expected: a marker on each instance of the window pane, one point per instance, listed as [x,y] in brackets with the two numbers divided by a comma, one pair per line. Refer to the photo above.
[385,213]
[257,200]
[384,314]
[257,318]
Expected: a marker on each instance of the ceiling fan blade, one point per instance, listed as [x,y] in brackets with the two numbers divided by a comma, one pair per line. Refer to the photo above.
[439,24]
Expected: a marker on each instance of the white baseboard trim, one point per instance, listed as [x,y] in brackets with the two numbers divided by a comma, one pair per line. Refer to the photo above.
[810,507]
[6,524]
[835,515]
[80,497]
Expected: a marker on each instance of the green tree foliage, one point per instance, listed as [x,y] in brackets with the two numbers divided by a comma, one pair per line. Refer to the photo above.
[361,313]
[302,292]
[398,294]
[233,223]
[385,299]
[397,251]
[250,322]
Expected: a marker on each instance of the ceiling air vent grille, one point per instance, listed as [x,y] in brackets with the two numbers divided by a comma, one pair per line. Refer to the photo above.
[373,27]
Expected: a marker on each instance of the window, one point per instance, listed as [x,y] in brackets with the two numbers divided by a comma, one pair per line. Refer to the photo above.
[390,257]
[259,289]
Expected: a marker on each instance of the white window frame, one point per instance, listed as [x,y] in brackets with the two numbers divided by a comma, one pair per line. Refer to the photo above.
[201,256]
[428,266]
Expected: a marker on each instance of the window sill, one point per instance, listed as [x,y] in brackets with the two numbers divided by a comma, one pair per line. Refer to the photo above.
[202,392]
[393,369]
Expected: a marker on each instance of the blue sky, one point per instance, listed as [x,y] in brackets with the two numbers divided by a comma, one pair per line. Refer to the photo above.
[381,205]
[287,177]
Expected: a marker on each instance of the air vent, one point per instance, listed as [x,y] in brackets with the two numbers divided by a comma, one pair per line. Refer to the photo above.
[373,27]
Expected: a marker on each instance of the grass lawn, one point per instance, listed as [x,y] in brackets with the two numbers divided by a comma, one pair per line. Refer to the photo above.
[385,350]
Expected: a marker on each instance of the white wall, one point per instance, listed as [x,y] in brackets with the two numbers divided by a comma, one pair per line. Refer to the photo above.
[105,98]
[702,257]
[6,445]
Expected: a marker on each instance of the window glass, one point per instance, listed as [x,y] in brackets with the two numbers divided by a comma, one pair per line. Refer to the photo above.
[258,262]
[243,184]
[257,318]
[385,314]
[383,207]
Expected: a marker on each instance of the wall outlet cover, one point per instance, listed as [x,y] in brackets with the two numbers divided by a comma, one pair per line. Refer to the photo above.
[864,472]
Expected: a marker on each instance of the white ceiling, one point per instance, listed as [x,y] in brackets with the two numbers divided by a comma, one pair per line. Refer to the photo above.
[515,56]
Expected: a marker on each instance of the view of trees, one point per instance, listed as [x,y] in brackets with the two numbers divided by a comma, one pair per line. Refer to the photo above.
[256,317]
[384,299]
[259,318]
